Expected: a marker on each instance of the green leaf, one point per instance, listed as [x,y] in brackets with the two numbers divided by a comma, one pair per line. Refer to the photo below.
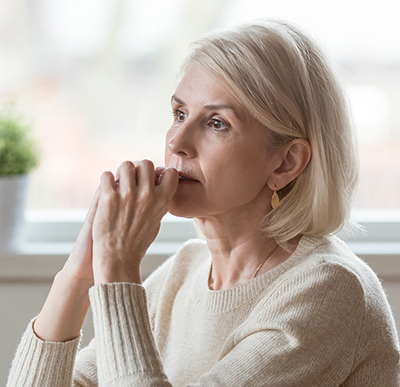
[19,152]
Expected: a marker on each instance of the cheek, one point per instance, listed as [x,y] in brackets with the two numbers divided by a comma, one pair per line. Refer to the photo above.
[246,171]
[167,153]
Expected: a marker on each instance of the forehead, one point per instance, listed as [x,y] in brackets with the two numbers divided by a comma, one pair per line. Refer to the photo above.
[199,86]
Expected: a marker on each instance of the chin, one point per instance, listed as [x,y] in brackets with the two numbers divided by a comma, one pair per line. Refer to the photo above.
[181,212]
[184,207]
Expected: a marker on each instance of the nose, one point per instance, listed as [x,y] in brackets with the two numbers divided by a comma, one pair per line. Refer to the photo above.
[181,140]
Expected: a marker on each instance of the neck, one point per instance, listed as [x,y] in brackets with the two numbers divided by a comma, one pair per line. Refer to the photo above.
[238,248]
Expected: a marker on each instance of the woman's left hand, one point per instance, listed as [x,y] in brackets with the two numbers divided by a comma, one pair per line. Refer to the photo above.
[128,218]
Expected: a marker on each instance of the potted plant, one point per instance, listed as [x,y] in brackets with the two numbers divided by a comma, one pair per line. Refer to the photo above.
[18,156]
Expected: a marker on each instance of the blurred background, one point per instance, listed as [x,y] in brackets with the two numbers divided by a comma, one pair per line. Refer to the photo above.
[95,78]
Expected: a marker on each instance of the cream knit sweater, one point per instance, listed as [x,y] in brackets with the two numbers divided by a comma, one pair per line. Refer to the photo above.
[320,318]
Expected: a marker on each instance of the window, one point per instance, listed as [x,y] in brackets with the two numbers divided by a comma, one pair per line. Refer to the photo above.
[95,78]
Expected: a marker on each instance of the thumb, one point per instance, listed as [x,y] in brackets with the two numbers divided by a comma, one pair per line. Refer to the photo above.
[169,181]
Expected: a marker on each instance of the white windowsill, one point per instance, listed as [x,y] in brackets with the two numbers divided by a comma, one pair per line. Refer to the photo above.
[39,262]
[51,236]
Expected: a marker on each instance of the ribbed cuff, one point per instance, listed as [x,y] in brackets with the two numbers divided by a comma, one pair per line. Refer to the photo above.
[124,340]
[39,363]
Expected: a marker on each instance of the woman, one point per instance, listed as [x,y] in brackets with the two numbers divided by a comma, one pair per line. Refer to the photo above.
[261,153]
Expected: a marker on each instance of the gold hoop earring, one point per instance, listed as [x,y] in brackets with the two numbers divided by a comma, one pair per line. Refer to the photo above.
[274,199]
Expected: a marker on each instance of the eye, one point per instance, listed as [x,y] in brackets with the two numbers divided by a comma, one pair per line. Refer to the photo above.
[179,115]
[218,124]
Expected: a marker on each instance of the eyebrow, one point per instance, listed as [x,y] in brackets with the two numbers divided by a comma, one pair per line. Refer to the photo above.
[209,107]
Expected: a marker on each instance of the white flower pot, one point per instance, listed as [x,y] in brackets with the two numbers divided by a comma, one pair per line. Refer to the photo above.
[12,212]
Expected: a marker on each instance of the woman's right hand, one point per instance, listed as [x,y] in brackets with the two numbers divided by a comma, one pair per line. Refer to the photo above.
[79,264]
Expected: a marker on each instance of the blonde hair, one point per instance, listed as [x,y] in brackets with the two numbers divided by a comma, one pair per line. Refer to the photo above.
[281,78]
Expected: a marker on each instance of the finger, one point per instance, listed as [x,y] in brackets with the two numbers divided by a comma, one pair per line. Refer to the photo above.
[84,239]
[158,174]
[93,207]
[169,182]
[126,174]
[145,174]
[107,183]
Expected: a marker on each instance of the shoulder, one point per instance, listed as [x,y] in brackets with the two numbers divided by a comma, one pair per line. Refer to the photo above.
[356,297]
[325,281]
[327,265]
[330,259]
[329,308]
[330,286]
[324,273]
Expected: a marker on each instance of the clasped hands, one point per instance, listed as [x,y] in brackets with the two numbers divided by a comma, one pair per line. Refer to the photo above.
[123,220]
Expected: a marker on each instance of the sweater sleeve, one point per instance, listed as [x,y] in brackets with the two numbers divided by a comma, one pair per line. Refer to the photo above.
[305,336]
[126,351]
[39,363]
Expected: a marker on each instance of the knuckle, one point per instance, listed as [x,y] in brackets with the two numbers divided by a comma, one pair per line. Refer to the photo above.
[147,164]
[128,164]
[146,195]
[107,175]
[128,193]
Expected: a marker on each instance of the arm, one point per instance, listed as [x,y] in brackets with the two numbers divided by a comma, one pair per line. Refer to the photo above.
[85,366]
[64,311]
[46,354]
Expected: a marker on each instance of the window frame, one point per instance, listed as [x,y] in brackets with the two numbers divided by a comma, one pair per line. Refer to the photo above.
[51,235]
[60,226]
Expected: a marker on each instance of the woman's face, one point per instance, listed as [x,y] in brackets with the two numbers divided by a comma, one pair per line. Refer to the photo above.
[213,141]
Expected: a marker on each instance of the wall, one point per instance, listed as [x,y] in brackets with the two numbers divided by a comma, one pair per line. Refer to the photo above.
[25,280]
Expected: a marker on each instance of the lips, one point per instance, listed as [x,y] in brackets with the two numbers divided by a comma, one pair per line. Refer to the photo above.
[184,177]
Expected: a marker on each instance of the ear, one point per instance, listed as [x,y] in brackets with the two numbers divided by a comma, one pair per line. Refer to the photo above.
[295,158]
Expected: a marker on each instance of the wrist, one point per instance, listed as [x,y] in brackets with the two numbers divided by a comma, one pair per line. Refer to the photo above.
[74,283]
[64,311]
[109,266]
[109,272]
